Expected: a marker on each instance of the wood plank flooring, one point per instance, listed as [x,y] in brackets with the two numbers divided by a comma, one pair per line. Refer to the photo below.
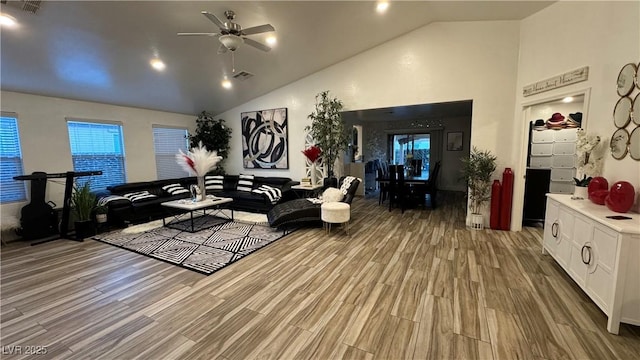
[417,285]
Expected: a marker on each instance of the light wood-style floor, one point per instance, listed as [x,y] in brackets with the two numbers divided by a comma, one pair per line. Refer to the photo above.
[414,285]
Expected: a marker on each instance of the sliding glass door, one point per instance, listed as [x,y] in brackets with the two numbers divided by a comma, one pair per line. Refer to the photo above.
[406,147]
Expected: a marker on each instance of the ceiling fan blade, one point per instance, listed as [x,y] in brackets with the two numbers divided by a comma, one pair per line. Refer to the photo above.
[214,19]
[258,29]
[256,44]
[222,49]
[198,34]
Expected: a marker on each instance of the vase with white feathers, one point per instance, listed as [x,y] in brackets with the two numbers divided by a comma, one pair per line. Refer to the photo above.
[198,162]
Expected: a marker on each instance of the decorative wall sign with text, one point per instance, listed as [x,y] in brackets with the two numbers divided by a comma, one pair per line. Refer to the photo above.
[568,78]
[264,139]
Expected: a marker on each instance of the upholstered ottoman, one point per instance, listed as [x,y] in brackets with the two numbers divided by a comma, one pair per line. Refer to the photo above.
[335,213]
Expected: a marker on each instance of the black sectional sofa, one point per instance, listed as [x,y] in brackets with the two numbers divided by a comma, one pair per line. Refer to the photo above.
[122,211]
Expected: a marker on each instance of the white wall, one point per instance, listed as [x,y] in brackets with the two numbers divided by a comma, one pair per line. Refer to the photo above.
[565,36]
[45,140]
[437,63]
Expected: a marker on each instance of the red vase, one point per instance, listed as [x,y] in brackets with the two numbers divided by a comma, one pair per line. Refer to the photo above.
[494,220]
[621,197]
[505,199]
[598,196]
[597,183]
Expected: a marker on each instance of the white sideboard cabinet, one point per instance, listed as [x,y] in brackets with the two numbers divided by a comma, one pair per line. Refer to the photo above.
[601,255]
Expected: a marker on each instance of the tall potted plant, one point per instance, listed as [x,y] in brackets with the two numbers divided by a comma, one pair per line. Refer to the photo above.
[83,202]
[328,129]
[476,171]
[214,135]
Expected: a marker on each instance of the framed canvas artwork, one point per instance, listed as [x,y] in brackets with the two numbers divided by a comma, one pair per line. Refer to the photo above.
[454,141]
[265,139]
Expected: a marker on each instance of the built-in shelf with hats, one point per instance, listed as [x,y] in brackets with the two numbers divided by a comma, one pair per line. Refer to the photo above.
[551,153]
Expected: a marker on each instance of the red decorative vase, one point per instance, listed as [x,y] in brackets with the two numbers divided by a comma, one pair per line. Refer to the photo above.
[597,183]
[621,197]
[598,196]
[496,190]
[505,199]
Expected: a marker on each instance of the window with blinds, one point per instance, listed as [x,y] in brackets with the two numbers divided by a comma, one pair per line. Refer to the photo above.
[167,141]
[97,147]
[10,161]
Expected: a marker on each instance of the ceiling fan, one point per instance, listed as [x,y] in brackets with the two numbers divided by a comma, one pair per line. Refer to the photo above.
[232,35]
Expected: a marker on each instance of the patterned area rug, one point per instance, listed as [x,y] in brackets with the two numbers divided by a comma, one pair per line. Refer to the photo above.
[220,243]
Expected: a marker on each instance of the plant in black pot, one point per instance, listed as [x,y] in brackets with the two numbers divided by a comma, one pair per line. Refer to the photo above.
[477,170]
[214,135]
[83,202]
[328,130]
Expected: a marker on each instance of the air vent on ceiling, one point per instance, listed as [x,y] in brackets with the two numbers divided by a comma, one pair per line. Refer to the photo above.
[28,6]
[242,75]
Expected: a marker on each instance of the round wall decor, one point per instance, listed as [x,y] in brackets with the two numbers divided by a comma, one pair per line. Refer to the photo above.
[626,79]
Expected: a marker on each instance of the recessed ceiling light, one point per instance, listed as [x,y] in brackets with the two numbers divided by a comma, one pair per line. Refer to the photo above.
[382,6]
[271,40]
[568,99]
[157,64]
[6,20]
[226,83]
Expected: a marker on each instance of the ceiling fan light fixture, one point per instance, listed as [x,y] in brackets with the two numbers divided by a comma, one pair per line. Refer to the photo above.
[271,40]
[231,42]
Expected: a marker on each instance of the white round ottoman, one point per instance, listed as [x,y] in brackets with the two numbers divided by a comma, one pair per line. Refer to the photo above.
[335,213]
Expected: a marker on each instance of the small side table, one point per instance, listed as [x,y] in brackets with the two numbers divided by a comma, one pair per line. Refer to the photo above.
[335,213]
[303,191]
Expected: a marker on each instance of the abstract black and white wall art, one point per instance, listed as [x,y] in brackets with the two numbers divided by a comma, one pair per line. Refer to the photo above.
[265,140]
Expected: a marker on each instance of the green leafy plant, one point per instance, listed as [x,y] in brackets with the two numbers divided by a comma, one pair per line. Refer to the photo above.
[214,135]
[83,202]
[584,182]
[476,171]
[328,129]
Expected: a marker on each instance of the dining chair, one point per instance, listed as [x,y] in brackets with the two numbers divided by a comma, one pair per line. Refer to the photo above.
[383,186]
[420,192]
[398,191]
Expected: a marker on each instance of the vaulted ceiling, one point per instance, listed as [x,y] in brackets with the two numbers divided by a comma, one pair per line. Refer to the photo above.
[100,50]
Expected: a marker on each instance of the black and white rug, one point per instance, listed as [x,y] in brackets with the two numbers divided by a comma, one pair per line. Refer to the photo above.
[220,243]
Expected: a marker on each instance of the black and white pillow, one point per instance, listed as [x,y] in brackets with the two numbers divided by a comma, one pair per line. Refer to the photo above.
[139,196]
[174,189]
[213,182]
[245,183]
[271,193]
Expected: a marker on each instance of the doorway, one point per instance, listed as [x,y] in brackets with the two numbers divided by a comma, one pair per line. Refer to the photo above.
[411,147]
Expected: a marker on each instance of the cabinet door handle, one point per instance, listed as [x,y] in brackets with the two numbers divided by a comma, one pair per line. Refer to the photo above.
[588,254]
[554,229]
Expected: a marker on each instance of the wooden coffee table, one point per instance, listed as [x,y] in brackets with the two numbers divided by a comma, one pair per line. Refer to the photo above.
[216,204]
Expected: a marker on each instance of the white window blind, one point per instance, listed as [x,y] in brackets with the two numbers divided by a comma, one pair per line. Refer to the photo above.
[97,147]
[167,141]
[10,162]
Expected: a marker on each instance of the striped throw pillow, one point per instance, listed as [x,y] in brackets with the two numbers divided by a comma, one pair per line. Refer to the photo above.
[174,189]
[213,182]
[245,183]
[271,193]
[139,196]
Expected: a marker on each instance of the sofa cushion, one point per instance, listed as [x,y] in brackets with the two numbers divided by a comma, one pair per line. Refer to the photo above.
[245,183]
[230,182]
[242,195]
[174,189]
[135,197]
[271,193]
[213,182]
[277,182]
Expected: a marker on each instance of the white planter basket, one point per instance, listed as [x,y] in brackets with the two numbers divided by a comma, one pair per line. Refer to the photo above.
[477,222]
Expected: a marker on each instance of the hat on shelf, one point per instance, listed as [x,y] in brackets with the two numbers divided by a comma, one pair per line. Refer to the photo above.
[576,117]
[556,117]
[539,125]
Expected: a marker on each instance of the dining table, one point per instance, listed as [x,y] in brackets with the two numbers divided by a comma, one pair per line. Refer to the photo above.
[411,180]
